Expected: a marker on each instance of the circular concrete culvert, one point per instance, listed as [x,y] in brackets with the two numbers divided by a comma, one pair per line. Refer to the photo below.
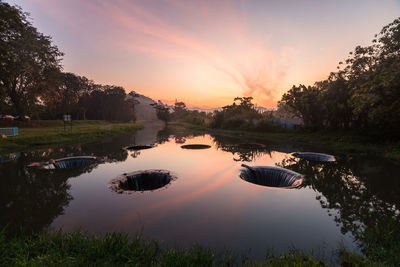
[65,163]
[251,146]
[195,146]
[140,181]
[138,147]
[271,176]
[312,156]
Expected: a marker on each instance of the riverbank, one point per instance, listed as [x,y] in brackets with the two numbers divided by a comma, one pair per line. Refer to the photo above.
[36,134]
[344,143]
[116,249]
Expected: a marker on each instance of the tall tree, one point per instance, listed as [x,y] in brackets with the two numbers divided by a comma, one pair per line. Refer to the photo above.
[64,99]
[107,102]
[364,94]
[305,102]
[179,106]
[29,62]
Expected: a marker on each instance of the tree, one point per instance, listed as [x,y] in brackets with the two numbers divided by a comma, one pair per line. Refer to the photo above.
[179,106]
[305,102]
[336,97]
[374,73]
[245,102]
[108,102]
[29,62]
[364,94]
[65,97]
[162,111]
[238,115]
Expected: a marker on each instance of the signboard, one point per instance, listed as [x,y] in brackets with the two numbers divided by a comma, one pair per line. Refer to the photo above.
[67,117]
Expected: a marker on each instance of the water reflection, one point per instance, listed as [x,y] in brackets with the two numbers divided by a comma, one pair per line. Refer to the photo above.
[138,147]
[179,136]
[29,198]
[196,146]
[239,151]
[363,192]
[9,157]
[356,192]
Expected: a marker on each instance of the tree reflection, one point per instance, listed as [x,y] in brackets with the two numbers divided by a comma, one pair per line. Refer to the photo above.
[231,145]
[178,135]
[108,150]
[363,192]
[30,200]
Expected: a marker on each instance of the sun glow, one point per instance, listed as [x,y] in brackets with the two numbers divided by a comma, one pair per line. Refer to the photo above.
[205,53]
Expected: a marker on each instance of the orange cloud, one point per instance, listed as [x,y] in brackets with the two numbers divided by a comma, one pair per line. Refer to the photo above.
[259,77]
[240,57]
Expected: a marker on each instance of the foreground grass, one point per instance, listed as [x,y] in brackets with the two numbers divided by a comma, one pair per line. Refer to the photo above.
[335,141]
[116,249]
[78,249]
[48,133]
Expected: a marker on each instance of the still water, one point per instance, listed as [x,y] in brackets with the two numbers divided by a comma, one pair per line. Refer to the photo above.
[208,203]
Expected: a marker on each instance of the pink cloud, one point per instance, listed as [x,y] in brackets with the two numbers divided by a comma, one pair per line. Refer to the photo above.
[141,28]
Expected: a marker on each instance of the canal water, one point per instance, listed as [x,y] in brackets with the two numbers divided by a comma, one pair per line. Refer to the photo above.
[207,203]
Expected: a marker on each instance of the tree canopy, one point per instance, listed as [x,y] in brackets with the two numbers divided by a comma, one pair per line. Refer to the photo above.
[29,62]
[32,82]
[364,93]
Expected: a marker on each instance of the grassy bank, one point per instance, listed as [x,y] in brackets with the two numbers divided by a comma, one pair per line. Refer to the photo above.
[335,141]
[36,134]
[116,249]
[77,249]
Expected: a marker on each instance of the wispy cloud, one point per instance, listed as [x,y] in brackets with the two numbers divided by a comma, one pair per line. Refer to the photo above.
[230,47]
[207,51]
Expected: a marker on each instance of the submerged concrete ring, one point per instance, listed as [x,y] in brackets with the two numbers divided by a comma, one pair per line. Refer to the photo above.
[312,156]
[195,146]
[138,147]
[141,181]
[271,176]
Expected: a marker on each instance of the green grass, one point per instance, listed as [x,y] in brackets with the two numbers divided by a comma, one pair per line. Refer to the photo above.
[335,141]
[381,247]
[51,133]
[79,249]
[117,249]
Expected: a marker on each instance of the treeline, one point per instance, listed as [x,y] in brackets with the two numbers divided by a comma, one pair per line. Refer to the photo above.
[84,99]
[243,115]
[32,82]
[240,115]
[363,94]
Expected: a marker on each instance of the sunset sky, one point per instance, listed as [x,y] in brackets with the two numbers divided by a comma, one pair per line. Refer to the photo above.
[205,53]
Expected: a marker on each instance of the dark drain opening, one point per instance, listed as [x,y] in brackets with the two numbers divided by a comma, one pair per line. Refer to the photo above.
[65,163]
[314,156]
[195,146]
[141,181]
[138,147]
[251,146]
[271,176]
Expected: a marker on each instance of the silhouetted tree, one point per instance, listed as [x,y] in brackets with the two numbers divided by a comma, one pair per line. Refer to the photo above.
[162,111]
[29,62]
[364,94]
